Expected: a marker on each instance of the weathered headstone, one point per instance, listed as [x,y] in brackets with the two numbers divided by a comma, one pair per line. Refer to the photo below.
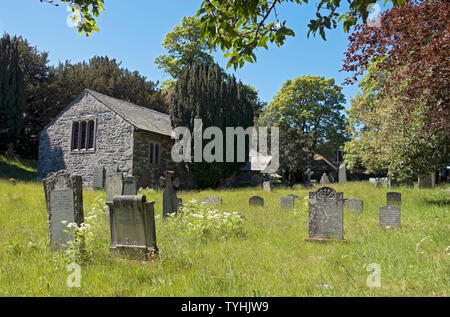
[389,217]
[267,186]
[212,200]
[331,177]
[308,175]
[114,186]
[394,198]
[324,179]
[171,202]
[427,181]
[342,173]
[354,204]
[129,185]
[64,198]
[256,201]
[133,233]
[287,202]
[326,215]
[98,181]
[145,180]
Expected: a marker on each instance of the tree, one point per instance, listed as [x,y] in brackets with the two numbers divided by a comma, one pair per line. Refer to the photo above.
[202,91]
[308,111]
[184,47]
[12,91]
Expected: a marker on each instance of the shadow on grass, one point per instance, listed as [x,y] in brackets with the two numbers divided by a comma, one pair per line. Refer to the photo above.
[8,171]
[440,202]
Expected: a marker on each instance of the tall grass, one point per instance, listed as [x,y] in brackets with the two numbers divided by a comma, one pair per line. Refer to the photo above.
[271,258]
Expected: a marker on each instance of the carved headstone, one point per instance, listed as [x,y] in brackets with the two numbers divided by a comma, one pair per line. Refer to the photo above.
[211,200]
[394,198]
[267,186]
[342,173]
[354,204]
[389,217]
[114,186]
[326,216]
[256,201]
[133,233]
[64,198]
[171,202]
[98,181]
[129,185]
[287,202]
[324,180]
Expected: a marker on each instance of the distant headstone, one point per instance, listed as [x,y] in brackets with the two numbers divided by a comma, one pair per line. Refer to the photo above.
[171,202]
[114,186]
[64,198]
[133,233]
[129,185]
[428,181]
[267,186]
[354,204]
[145,180]
[287,202]
[324,180]
[212,200]
[394,198]
[98,181]
[326,216]
[308,175]
[409,183]
[342,173]
[331,177]
[389,217]
[257,201]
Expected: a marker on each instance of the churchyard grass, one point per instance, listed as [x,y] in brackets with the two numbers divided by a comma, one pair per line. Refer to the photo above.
[268,258]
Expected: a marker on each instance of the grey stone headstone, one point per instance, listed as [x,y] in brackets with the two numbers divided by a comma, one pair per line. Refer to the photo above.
[114,186]
[171,203]
[326,216]
[324,180]
[389,217]
[129,185]
[267,186]
[428,181]
[98,181]
[287,202]
[354,204]
[256,201]
[64,198]
[133,227]
[394,198]
[342,173]
[331,177]
[211,200]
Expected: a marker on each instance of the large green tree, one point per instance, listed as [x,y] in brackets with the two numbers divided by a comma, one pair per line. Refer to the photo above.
[309,113]
[12,91]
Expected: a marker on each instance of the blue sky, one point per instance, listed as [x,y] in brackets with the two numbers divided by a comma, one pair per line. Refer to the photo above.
[132,32]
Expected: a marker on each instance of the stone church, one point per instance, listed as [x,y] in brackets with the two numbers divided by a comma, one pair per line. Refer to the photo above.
[96,130]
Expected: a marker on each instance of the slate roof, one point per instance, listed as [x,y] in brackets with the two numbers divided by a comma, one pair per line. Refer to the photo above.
[142,118]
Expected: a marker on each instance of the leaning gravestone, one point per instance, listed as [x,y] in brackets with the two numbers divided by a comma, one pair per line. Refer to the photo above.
[287,202]
[64,198]
[256,201]
[389,217]
[98,181]
[354,204]
[114,186]
[342,173]
[171,202]
[326,216]
[133,233]
[129,185]
[324,180]
[212,200]
[267,186]
[394,198]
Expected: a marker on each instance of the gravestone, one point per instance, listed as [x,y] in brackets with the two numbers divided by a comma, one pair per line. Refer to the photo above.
[129,185]
[331,177]
[326,216]
[257,201]
[409,183]
[287,202]
[212,200]
[145,180]
[354,204]
[427,181]
[133,233]
[394,198]
[267,186]
[295,196]
[389,217]
[171,202]
[324,180]
[64,199]
[308,175]
[114,186]
[98,181]
[342,173]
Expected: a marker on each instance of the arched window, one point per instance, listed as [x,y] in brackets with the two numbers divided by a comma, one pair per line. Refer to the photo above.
[75,135]
[83,136]
[154,153]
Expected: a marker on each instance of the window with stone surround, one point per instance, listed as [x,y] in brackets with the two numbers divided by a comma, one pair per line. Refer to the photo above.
[83,136]
[154,153]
